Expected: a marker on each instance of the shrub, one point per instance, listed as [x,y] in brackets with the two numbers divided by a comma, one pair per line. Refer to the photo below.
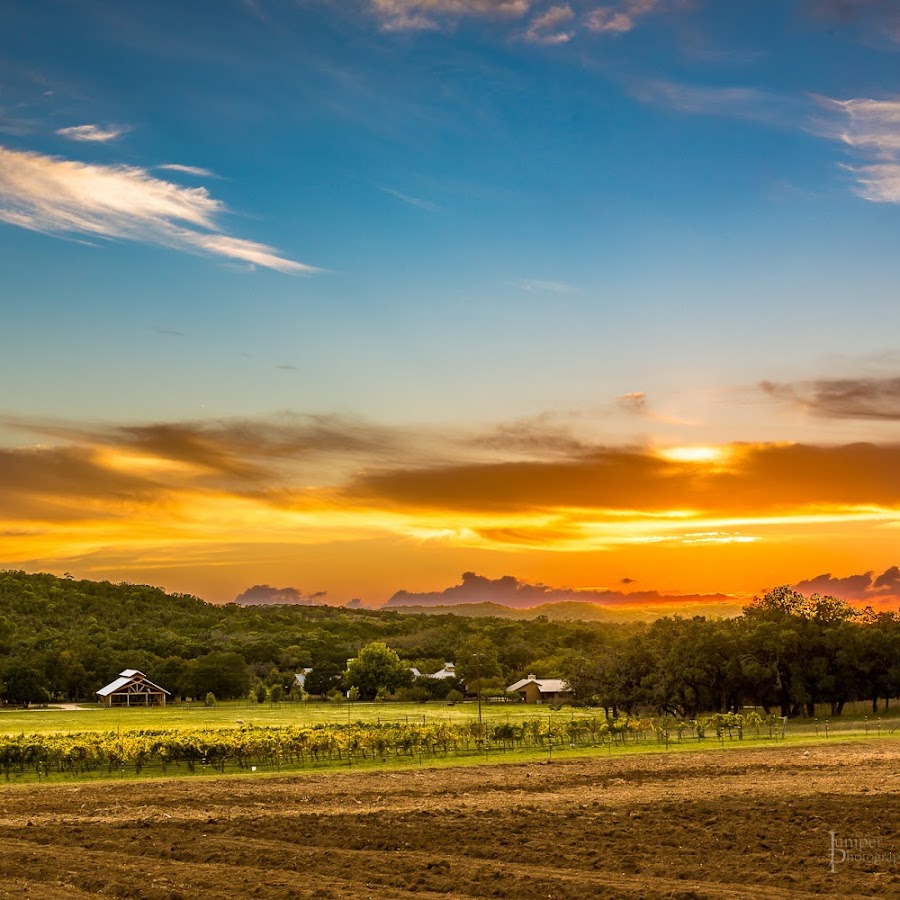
[414,694]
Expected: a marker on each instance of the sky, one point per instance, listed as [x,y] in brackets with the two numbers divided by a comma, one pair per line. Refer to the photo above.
[356,296]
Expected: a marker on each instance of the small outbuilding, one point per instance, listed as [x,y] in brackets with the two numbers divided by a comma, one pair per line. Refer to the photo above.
[132,688]
[541,690]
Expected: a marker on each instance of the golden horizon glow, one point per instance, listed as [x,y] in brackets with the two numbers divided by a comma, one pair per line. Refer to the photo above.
[678,517]
[147,463]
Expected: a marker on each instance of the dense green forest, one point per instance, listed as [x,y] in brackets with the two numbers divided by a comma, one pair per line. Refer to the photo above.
[62,639]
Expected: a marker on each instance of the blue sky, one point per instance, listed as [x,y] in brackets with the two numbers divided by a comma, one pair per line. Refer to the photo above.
[636,223]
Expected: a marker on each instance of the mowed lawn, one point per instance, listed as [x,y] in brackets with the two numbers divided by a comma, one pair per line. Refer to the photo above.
[92,717]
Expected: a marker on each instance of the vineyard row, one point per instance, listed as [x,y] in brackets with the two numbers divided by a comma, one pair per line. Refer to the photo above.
[43,755]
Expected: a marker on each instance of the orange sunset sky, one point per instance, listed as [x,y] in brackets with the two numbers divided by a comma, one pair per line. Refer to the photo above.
[358,510]
[356,297]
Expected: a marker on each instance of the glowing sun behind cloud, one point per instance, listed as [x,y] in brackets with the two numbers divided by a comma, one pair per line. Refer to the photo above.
[696,454]
[184,494]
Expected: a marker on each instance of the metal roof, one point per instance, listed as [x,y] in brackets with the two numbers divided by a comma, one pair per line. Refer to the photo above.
[449,671]
[544,685]
[126,677]
[113,686]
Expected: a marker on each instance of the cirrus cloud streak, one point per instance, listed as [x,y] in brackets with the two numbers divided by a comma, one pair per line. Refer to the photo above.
[91,133]
[70,198]
[871,129]
[401,15]
[548,23]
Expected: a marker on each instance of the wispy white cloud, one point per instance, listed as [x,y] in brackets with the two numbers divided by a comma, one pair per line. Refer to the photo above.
[68,198]
[92,133]
[246,251]
[736,102]
[550,23]
[871,128]
[634,402]
[872,125]
[609,20]
[188,170]
[410,200]
[548,27]
[409,15]
[621,18]
[880,184]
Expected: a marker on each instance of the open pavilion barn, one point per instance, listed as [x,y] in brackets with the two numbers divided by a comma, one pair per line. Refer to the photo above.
[132,688]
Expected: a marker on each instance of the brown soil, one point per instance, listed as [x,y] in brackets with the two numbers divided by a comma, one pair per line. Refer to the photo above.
[721,824]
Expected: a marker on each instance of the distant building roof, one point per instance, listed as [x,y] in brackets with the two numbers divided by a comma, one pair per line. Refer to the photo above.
[449,671]
[126,677]
[300,677]
[544,685]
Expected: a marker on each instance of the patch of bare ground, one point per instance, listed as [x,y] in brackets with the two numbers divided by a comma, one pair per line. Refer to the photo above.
[721,824]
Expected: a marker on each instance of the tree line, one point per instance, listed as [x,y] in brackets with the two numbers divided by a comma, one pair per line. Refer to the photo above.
[785,652]
[62,639]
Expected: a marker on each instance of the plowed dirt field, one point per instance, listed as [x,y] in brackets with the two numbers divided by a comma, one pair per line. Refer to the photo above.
[719,824]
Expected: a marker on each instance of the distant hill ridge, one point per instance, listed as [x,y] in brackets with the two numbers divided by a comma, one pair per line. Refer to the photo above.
[574,611]
[476,592]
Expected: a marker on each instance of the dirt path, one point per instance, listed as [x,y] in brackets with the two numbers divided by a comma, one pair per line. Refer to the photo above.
[721,824]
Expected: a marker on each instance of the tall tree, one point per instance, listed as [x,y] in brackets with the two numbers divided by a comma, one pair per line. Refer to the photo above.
[377,666]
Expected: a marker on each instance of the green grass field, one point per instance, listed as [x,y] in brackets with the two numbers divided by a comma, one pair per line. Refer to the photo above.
[185,716]
[224,714]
